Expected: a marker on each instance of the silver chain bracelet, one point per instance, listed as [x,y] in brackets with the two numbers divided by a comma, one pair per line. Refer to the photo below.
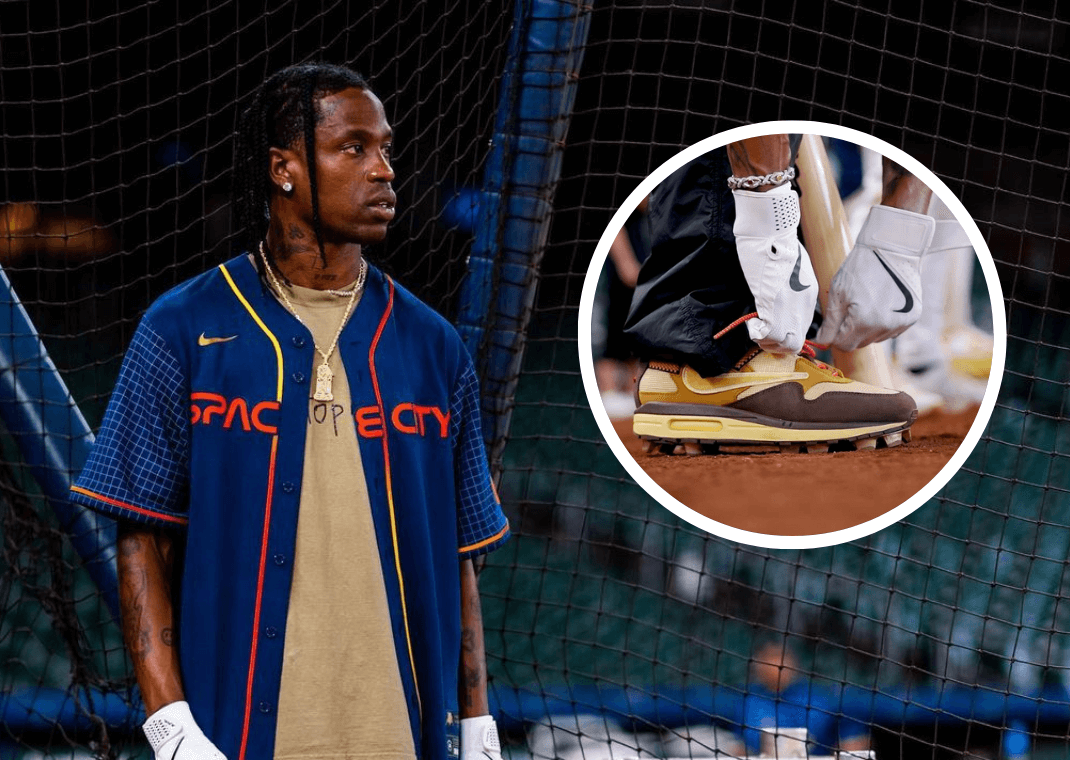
[750,183]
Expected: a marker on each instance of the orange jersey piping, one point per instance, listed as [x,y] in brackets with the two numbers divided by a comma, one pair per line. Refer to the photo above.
[485,541]
[131,507]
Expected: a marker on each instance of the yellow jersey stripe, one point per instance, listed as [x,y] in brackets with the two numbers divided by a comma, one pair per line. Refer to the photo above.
[260,323]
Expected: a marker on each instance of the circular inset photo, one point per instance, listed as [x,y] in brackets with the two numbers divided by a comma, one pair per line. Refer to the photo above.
[792,334]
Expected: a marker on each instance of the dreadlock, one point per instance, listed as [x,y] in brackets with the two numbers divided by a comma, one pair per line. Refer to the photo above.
[283,109]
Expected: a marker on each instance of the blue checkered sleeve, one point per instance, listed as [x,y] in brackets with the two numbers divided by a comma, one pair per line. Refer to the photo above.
[138,468]
[481,524]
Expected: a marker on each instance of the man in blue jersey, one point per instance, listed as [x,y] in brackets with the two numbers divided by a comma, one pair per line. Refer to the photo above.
[294,452]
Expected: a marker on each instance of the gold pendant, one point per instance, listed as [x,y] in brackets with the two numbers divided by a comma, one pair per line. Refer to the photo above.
[324,376]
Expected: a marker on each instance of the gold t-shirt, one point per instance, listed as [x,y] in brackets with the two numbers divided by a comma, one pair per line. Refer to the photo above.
[341,694]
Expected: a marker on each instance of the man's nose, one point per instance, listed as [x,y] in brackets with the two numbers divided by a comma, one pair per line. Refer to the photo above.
[381,170]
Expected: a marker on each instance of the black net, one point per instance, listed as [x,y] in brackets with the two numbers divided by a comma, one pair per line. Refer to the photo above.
[612,627]
[942,636]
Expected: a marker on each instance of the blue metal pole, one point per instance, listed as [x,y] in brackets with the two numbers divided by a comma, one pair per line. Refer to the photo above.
[538,90]
[53,438]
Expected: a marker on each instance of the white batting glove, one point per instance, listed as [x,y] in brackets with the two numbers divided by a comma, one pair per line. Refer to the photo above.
[174,735]
[776,266]
[876,294]
[479,739]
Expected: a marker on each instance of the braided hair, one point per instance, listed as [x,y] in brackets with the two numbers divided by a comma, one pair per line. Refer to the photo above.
[284,108]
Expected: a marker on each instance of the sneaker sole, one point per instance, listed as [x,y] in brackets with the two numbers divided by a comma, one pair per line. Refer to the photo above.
[672,429]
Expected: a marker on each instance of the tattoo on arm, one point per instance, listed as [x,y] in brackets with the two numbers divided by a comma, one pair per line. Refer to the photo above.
[136,626]
[472,672]
[134,584]
[472,678]
[146,563]
[130,544]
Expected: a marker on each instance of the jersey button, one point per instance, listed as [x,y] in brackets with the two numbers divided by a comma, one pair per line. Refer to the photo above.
[299,341]
[299,377]
[280,559]
[271,632]
[288,487]
[265,707]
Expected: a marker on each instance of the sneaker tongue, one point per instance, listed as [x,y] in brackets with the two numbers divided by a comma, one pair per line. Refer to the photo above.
[767,362]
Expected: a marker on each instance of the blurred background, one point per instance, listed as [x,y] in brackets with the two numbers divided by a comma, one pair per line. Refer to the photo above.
[613,628]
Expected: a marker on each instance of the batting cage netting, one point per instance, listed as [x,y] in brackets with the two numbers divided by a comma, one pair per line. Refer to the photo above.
[613,628]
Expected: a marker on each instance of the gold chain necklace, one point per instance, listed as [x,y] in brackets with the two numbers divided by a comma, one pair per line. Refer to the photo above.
[324,376]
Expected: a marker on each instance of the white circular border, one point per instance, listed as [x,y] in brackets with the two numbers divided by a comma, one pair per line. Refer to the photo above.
[999,327]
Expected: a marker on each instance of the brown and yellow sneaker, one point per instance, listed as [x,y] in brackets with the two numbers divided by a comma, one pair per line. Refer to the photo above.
[793,402]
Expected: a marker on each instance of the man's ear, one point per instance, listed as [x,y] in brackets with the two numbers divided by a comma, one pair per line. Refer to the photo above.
[284,165]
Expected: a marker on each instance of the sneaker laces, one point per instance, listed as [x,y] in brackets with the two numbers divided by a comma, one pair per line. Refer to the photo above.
[808,351]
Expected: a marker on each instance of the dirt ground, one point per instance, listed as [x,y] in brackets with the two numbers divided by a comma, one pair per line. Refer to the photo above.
[804,494]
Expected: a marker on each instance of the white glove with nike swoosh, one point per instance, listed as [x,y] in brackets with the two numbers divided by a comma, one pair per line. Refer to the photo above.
[876,294]
[174,735]
[776,266]
[479,739]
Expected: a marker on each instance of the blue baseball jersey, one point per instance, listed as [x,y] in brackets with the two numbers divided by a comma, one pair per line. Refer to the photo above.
[205,433]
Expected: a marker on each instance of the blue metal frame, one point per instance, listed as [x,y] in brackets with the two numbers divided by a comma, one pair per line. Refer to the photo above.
[538,89]
[53,437]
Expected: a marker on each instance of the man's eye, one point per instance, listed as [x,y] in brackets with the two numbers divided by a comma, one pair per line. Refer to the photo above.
[388,151]
[355,148]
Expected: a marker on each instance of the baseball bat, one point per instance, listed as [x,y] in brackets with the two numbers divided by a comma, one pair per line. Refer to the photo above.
[828,241]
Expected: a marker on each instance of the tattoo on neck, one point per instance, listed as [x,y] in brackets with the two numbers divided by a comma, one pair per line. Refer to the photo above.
[324,277]
[296,233]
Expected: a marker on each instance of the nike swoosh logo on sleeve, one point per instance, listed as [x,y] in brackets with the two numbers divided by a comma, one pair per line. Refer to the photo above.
[909,304]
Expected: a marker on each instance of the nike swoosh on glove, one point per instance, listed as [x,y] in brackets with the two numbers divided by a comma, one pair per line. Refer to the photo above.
[777,268]
[174,735]
[876,294]
[479,739]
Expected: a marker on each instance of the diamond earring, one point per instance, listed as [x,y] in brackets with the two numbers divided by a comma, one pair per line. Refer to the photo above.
[287,187]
